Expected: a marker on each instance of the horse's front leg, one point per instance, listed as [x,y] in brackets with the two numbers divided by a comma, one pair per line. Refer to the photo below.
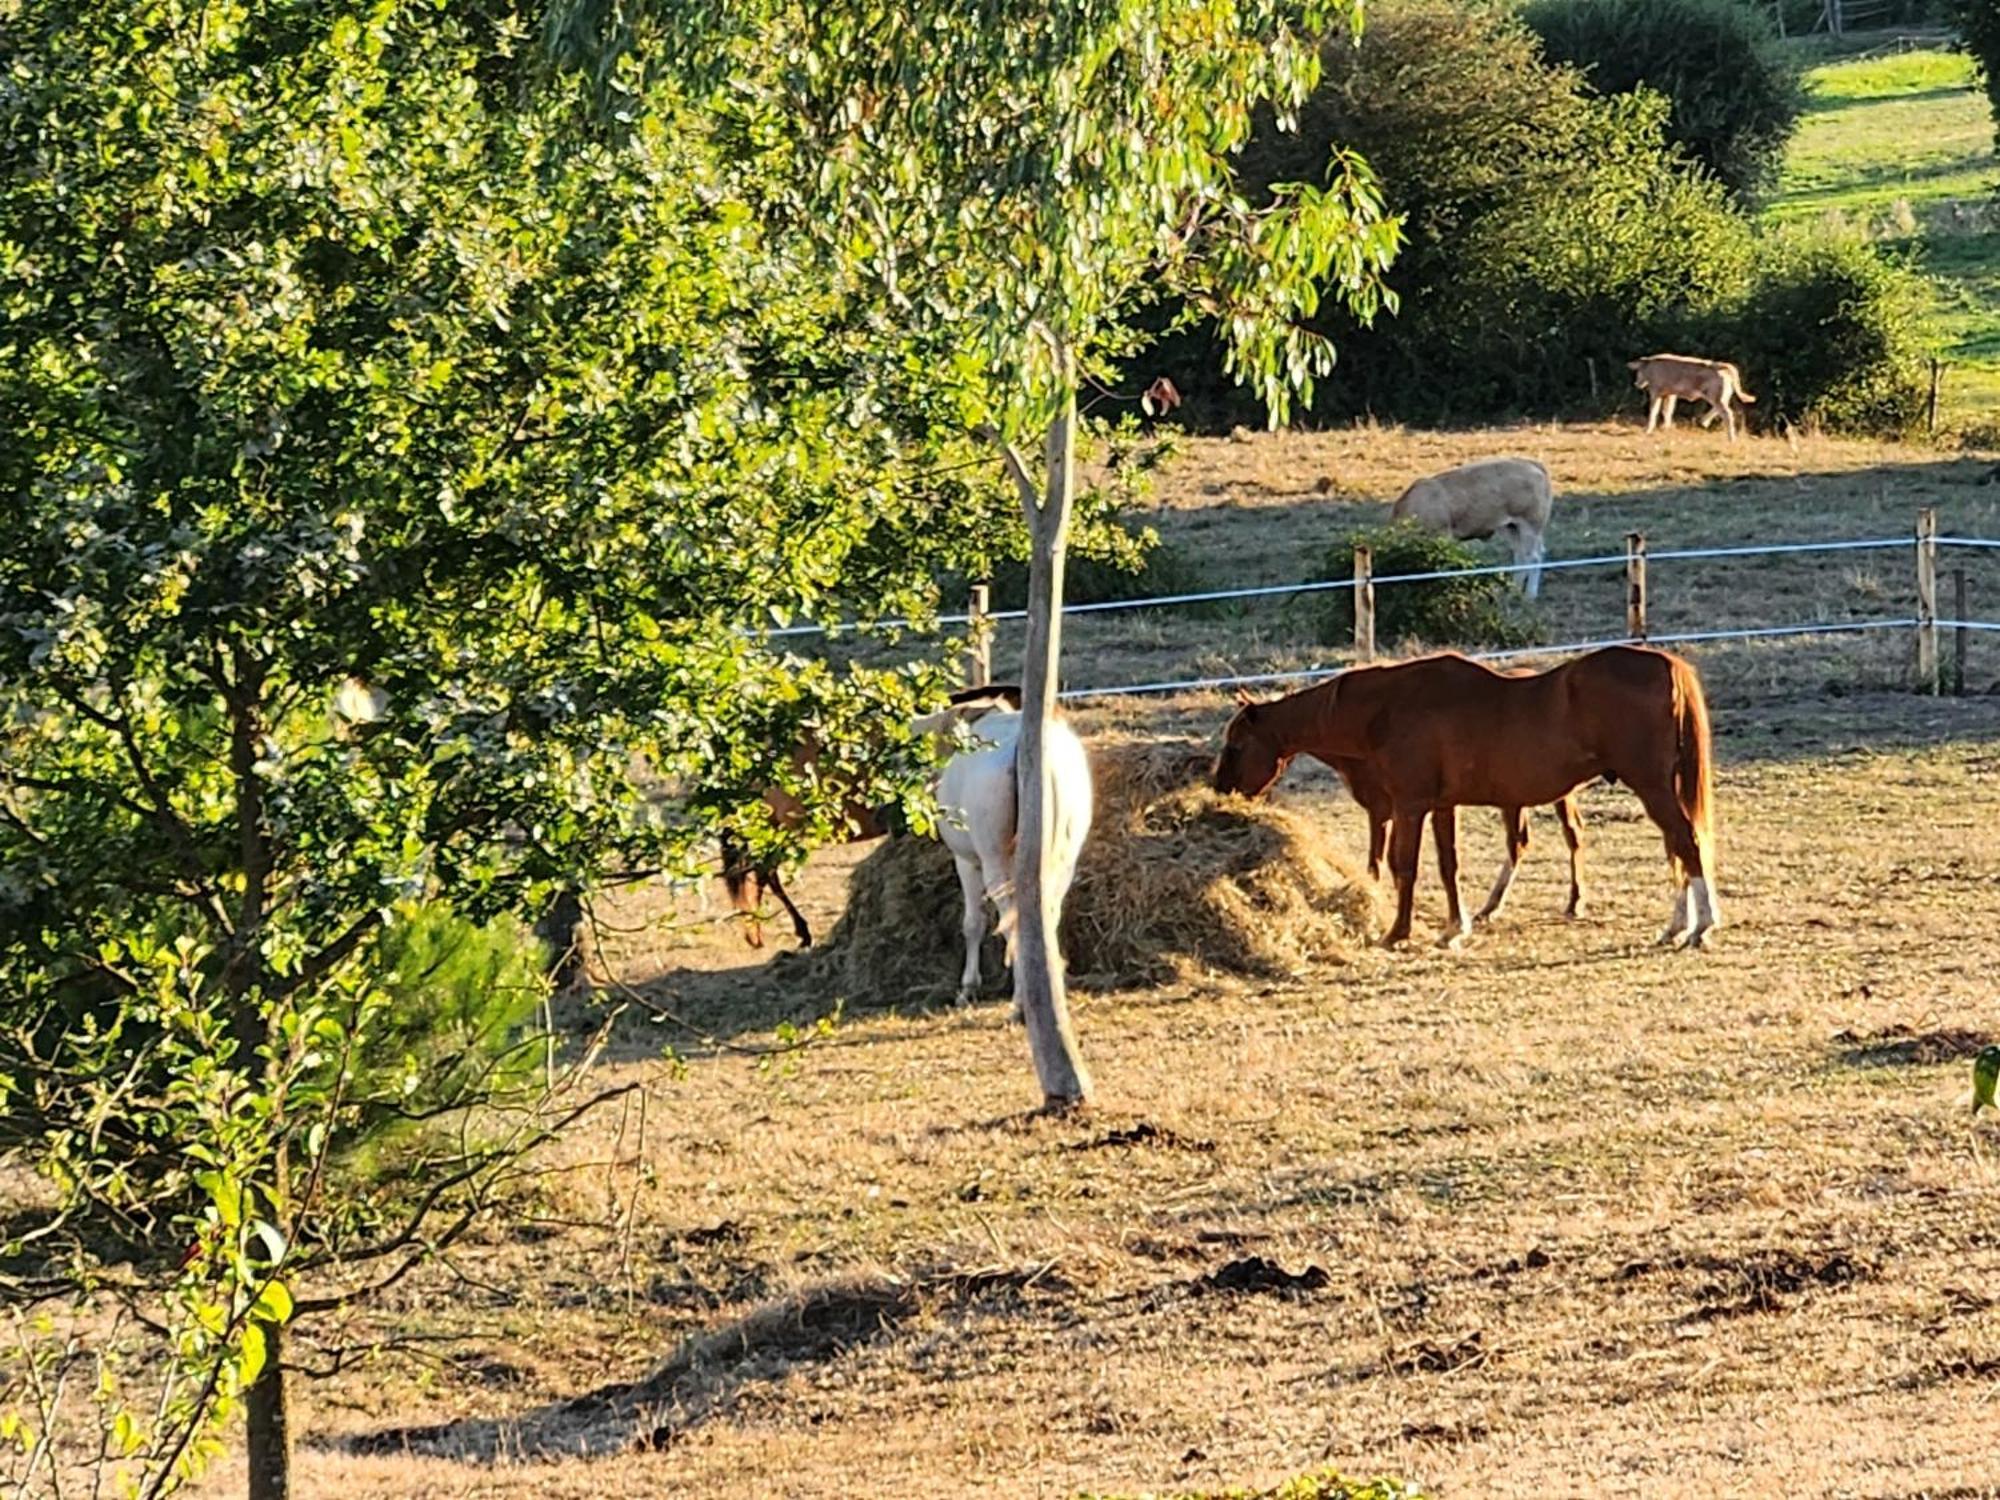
[1406,841]
[1444,829]
[800,927]
[1572,826]
[974,889]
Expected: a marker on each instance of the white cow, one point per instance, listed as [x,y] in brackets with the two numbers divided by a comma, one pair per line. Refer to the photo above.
[977,806]
[1508,498]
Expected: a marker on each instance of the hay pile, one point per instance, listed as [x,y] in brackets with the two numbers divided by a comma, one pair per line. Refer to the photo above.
[1174,880]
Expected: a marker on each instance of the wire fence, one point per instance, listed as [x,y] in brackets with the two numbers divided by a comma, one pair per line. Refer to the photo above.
[1925,544]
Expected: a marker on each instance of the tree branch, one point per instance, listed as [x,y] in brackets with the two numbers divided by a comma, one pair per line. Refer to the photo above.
[1017,470]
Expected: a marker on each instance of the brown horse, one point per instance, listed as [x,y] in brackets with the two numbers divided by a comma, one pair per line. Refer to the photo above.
[747,881]
[1443,732]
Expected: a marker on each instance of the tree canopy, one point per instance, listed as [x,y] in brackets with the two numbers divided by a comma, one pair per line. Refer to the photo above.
[1014,184]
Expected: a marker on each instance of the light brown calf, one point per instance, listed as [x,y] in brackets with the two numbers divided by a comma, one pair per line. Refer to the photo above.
[1669,378]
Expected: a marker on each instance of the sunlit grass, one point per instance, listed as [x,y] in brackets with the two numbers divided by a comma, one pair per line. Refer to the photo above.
[1902,145]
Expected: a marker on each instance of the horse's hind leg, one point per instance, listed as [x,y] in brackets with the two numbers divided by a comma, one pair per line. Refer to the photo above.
[1406,842]
[1514,822]
[1572,826]
[1692,914]
[973,886]
[800,927]
[1444,829]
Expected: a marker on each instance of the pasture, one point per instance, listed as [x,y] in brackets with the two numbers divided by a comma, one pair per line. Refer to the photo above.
[1901,143]
[1559,1214]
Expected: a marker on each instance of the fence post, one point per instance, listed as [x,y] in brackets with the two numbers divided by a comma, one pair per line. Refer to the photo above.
[1937,380]
[1959,632]
[1635,585]
[1364,604]
[978,638]
[1927,634]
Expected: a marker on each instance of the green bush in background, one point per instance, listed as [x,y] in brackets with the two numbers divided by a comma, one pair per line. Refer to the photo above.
[1549,231]
[454,997]
[1480,610]
[1735,97]
[1830,333]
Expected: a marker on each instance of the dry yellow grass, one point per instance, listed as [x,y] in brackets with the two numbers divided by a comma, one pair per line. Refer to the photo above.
[1594,1219]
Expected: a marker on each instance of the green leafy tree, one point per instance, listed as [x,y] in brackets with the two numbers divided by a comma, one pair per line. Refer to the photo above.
[1551,233]
[402,467]
[1013,185]
[1736,97]
[1978,23]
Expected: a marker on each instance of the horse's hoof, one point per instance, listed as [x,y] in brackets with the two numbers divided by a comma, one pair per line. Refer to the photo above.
[1395,939]
[1451,942]
[1573,913]
[1481,918]
[965,998]
[1671,938]
[1699,938]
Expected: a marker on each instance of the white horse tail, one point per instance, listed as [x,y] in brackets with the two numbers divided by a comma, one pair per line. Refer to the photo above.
[1074,803]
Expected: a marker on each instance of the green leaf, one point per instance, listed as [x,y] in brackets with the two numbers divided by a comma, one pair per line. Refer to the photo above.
[251,1355]
[227,1197]
[1985,1078]
[273,1304]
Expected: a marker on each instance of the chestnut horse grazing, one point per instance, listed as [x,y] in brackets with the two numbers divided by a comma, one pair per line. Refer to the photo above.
[1443,732]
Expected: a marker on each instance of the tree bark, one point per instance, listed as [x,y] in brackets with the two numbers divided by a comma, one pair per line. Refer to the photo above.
[267,1413]
[1039,987]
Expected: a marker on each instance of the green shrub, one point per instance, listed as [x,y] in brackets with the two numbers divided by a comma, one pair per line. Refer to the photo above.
[1832,333]
[1735,98]
[1483,610]
[1550,233]
[457,995]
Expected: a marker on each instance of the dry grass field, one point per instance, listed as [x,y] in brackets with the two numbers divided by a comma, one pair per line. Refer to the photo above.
[1562,1214]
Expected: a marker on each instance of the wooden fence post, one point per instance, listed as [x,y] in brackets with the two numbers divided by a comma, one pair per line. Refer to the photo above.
[1937,380]
[1959,633]
[978,638]
[1364,604]
[1635,585]
[1927,631]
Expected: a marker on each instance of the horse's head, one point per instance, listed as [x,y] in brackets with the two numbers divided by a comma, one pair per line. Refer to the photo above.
[1250,760]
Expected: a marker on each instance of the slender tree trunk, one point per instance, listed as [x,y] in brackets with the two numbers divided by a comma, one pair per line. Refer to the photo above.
[1039,988]
[267,1413]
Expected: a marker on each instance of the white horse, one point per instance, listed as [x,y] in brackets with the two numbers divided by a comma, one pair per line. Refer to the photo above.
[977,809]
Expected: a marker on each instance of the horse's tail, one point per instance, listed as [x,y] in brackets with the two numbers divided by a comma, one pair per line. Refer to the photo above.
[738,874]
[1074,805]
[1694,762]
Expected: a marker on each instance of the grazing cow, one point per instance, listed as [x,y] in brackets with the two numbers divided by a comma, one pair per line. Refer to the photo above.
[1671,378]
[1508,498]
[748,881]
[977,800]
